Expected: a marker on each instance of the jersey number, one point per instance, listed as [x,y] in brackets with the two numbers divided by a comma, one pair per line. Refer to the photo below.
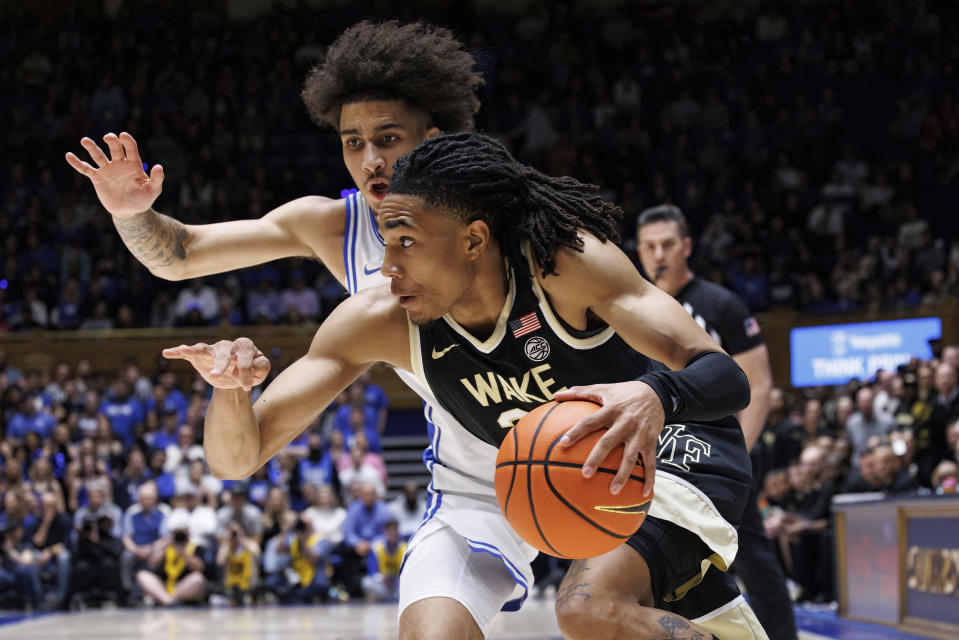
[508,419]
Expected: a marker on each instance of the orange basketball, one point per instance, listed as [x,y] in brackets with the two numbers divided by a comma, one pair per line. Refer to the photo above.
[541,488]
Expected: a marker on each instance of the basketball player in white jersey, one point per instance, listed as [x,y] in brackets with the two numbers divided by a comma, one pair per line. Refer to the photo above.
[384,87]
[475,244]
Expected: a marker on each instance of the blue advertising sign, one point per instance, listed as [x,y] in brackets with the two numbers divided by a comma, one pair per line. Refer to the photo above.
[837,353]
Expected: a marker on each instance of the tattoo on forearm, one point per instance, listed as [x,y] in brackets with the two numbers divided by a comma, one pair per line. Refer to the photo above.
[153,239]
[678,629]
[575,584]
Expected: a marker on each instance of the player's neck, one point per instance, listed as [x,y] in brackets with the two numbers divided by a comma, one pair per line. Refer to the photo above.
[479,308]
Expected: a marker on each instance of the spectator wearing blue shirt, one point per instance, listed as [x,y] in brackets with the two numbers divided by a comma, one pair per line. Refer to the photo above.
[316,468]
[263,303]
[362,394]
[383,565]
[260,484]
[167,395]
[142,524]
[366,518]
[352,419]
[125,413]
[166,483]
[163,404]
[30,419]
[167,434]
[374,396]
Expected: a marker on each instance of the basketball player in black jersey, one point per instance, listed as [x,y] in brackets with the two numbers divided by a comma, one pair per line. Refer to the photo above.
[472,236]
[664,246]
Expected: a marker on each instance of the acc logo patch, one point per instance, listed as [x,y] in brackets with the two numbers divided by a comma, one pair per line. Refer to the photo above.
[537,349]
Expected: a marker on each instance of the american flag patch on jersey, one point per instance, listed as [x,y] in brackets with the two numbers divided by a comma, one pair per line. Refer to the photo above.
[527,324]
[751,327]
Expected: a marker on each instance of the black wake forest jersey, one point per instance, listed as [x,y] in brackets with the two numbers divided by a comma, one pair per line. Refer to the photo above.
[488,385]
[722,314]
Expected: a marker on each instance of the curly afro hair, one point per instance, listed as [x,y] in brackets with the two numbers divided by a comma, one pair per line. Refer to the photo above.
[422,64]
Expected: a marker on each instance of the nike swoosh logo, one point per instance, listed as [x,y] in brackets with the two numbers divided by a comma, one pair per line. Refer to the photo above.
[439,354]
[633,508]
[369,271]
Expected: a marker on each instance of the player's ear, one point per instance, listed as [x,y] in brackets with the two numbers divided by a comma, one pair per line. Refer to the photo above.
[432,132]
[477,236]
[687,246]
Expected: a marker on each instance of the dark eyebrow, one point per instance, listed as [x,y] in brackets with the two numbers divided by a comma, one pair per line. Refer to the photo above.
[393,223]
[382,127]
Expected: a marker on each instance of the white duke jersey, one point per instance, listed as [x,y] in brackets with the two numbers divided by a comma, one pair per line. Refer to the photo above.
[461,494]
[363,246]
[363,251]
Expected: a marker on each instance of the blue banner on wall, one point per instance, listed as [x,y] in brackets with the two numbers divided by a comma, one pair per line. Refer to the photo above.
[837,353]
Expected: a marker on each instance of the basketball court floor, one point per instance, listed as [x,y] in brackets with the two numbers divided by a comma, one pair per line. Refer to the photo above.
[331,622]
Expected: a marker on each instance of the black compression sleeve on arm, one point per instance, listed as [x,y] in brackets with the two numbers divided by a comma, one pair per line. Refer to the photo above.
[711,386]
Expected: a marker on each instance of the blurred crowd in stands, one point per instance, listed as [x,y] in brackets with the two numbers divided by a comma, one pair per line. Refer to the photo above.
[106,496]
[896,433]
[813,144]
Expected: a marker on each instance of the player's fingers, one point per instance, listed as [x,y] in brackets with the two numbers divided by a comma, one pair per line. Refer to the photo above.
[156,178]
[584,427]
[130,149]
[630,456]
[593,393]
[648,455]
[80,165]
[222,356]
[244,363]
[601,449]
[113,143]
[195,353]
[173,353]
[96,153]
[261,368]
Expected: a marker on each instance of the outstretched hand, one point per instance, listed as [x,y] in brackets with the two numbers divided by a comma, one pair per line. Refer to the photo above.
[123,187]
[228,364]
[632,415]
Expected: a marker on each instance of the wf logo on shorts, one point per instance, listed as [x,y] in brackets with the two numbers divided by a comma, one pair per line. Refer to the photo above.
[679,449]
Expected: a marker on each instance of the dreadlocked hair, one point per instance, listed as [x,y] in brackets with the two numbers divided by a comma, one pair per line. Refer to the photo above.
[422,64]
[475,177]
